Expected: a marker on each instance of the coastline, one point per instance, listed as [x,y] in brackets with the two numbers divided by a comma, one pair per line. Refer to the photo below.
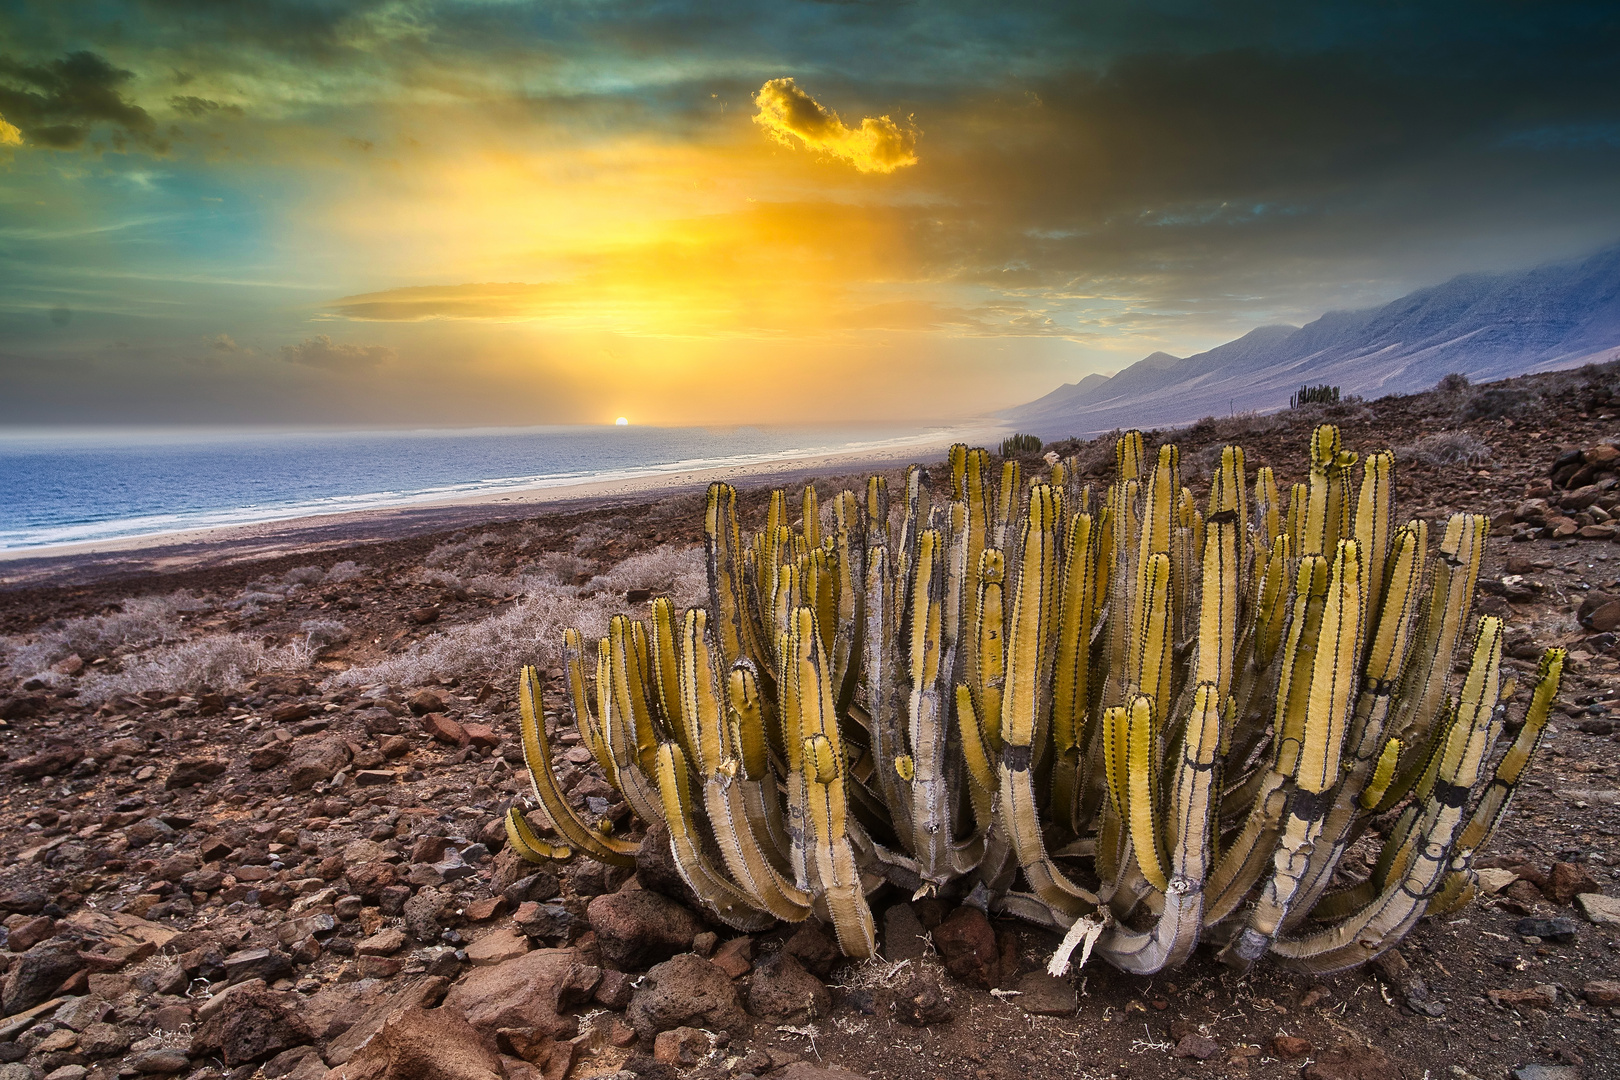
[183,549]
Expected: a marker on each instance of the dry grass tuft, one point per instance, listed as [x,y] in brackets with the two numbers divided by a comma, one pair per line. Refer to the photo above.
[1446,448]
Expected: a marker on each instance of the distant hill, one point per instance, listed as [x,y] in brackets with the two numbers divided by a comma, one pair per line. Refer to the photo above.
[1485,326]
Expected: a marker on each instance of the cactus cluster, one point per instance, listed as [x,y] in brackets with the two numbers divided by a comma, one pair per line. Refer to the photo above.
[1137,718]
[1314,395]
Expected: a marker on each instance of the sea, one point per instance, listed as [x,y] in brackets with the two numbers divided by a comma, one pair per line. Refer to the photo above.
[83,485]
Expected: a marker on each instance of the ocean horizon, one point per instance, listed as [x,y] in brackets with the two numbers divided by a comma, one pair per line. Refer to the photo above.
[71,486]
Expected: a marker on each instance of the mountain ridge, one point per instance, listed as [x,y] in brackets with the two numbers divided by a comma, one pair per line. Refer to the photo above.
[1487,326]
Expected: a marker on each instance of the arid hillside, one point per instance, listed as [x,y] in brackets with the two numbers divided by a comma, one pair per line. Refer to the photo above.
[254,823]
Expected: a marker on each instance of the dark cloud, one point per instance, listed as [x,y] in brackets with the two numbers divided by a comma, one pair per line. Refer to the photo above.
[321,351]
[200,107]
[60,102]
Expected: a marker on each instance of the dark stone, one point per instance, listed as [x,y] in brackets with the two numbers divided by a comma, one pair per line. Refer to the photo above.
[921,1002]
[540,885]
[192,771]
[259,1023]
[635,927]
[37,974]
[1547,929]
[686,991]
[782,991]
[815,948]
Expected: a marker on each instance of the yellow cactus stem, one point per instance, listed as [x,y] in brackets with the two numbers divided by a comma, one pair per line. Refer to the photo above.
[537,756]
[1196,702]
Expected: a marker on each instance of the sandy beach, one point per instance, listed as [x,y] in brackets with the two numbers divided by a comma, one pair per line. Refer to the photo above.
[169,552]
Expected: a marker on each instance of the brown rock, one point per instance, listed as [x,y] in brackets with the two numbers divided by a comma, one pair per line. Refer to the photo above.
[482,736]
[803,1070]
[382,943]
[485,909]
[967,943]
[785,993]
[1350,1062]
[1194,1045]
[1606,617]
[614,991]
[1543,996]
[37,974]
[57,760]
[533,991]
[635,927]
[290,713]
[427,701]
[369,879]
[317,762]
[1041,994]
[682,1047]
[921,1002]
[31,933]
[69,665]
[526,1043]
[1290,1047]
[498,946]
[258,1024]
[444,729]
[735,957]
[193,771]
[348,1022]
[424,1044]
[815,948]
[1602,992]
[423,615]
[374,778]
[378,967]
[1566,880]
[686,991]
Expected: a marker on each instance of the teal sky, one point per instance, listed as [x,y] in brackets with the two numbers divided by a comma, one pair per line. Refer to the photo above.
[500,212]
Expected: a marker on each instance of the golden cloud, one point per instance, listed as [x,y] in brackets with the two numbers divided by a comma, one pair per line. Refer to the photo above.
[878,145]
[9,135]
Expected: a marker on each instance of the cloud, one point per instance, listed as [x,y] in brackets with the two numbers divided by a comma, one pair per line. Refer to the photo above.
[58,103]
[321,351]
[9,134]
[878,145]
[198,107]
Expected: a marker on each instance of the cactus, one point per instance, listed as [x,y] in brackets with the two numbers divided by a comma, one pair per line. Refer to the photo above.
[1135,719]
[1314,395]
[1013,445]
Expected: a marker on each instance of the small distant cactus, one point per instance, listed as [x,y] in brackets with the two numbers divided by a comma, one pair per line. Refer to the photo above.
[1014,445]
[1137,717]
[1315,395]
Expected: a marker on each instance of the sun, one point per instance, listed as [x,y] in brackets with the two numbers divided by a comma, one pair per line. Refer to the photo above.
[621,422]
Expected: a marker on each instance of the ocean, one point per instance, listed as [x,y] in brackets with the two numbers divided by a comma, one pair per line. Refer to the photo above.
[67,487]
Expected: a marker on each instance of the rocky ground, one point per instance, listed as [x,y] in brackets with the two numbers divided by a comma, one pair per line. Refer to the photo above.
[253,827]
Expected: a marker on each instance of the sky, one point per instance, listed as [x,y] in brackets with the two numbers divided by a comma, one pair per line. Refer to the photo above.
[449,212]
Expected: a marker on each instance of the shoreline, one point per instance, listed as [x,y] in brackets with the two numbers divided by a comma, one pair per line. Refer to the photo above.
[224,544]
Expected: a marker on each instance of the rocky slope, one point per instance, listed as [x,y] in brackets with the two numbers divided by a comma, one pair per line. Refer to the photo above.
[294,866]
[1484,326]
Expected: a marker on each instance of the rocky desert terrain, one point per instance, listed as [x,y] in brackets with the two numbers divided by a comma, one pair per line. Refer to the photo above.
[253,824]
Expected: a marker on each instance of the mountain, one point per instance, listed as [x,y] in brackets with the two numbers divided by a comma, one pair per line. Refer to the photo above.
[1487,326]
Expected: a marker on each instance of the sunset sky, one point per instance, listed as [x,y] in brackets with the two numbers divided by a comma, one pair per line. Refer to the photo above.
[498,212]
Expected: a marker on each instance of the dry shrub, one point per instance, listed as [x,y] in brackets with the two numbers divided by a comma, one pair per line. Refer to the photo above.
[1446,448]
[219,660]
[528,632]
[677,573]
[347,570]
[460,550]
[324,633]
[143,620]
[304,575]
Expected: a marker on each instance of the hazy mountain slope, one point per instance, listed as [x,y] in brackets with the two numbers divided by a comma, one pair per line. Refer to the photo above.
[1486,326]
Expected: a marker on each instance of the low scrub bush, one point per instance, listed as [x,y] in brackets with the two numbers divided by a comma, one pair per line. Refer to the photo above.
[219,660]
[1446,448]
